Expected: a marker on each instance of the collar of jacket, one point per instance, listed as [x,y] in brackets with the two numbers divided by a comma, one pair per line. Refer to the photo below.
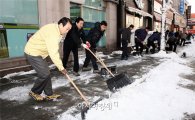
[58,30]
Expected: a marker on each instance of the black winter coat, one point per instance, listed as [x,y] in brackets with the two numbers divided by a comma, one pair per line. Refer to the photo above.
[125,36]
[74,36]
[94,35]
[172,40]
[154,37]
[141,34]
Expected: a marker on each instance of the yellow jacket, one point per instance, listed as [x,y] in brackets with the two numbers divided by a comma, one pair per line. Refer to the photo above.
[46,42]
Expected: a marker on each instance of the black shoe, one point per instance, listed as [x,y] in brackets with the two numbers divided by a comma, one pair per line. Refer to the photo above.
[76,73]
[86,69]
[96,71]
[126,58]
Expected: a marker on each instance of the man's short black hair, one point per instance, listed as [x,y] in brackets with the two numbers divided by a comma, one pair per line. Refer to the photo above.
[103,23]
[78,19]
[131,26]
[64,21]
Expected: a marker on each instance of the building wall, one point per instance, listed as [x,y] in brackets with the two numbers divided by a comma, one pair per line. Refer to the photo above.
[111,17]
[176,4]
[52,10]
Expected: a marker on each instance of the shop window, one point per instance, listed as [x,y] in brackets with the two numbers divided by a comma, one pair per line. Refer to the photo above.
[93,12]
[93,15]
[129,19]
[136,21]
[17,39]
[3,45]
[75,11]
[19,12]
[94,3]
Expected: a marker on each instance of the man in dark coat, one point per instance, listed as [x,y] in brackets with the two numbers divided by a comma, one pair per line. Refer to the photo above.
[140,35]
[93,38]
[154,37]
[125,39]
[72,42]
[183,38]
[172,42]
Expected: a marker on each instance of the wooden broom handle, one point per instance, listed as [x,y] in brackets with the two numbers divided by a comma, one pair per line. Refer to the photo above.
[81,94]
[103,64]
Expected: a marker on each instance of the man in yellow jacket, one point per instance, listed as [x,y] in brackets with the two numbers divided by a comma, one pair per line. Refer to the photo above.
[45,42]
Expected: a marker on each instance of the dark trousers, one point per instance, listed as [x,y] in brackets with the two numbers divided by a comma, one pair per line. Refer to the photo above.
[182,41]
[43,83]
[150,43]
[67,51]
[172,46]
[138,44]
[90,57]
[125,52]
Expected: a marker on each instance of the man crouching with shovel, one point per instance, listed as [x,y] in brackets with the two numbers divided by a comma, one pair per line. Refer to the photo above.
[45,42]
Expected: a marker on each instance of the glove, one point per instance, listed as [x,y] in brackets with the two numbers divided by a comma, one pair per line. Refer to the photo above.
[88,44]
[129,44]
[85,46]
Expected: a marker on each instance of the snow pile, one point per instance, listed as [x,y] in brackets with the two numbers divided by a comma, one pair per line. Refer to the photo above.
[156,96]
[189,50]
[19,94]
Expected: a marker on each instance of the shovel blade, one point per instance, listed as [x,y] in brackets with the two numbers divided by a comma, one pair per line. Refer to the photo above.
[118,81]
[86,108]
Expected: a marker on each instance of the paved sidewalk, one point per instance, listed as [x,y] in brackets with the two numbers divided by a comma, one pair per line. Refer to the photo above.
[92,85]
[17,105]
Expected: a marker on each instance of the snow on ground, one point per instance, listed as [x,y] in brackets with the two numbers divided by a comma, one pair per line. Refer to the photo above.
[158,95]
[24,73]
[20,94]
[14,94]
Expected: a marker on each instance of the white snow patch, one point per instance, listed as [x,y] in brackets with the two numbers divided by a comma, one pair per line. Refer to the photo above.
[25,73]
[19,94]
[66,116]
[119,52]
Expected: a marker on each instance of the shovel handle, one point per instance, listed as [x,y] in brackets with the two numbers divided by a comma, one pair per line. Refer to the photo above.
[99,59]
[81,94]
[132,48]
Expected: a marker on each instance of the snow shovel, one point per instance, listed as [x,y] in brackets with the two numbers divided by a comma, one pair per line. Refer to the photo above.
[117,81]
[87,105]
[134,53]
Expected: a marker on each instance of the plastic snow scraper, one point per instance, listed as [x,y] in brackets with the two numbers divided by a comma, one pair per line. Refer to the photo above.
[87,105]
[117,81]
